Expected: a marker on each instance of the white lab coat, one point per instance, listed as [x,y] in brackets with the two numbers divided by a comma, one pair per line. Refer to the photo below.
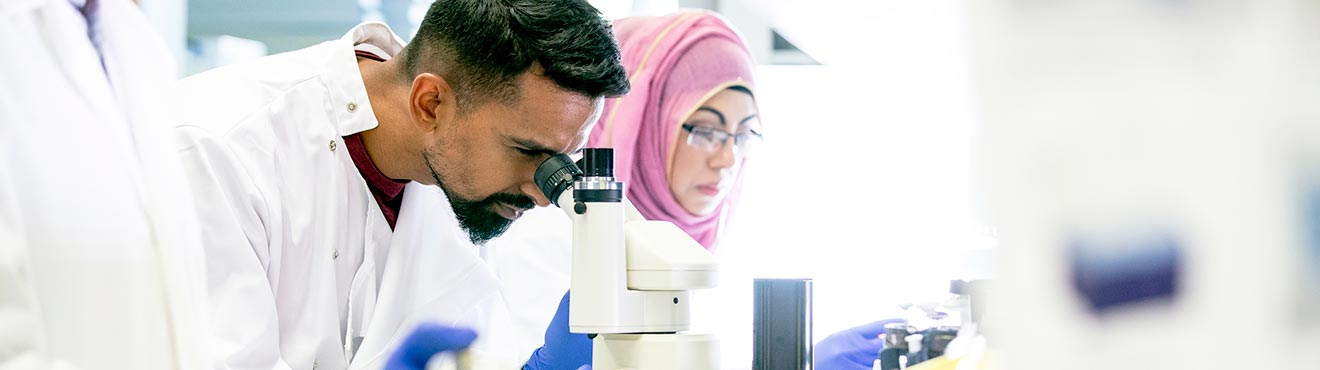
[532,261]
[304,270]
[100,260]
[435,274]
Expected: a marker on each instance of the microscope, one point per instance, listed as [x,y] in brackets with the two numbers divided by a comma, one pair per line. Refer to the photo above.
[630,277]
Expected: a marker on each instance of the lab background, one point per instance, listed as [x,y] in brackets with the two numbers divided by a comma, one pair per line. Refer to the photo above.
[910,143]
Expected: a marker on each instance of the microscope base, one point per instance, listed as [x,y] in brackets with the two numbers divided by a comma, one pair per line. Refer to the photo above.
[655,351]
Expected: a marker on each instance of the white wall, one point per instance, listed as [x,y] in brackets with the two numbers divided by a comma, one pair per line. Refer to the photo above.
[863,184]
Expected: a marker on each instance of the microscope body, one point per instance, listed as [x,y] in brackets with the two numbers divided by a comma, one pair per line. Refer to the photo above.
[630,277]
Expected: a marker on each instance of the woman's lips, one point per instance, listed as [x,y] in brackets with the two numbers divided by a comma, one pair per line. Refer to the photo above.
[709,189]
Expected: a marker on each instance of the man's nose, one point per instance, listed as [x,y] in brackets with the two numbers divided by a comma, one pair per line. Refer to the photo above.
[530,189]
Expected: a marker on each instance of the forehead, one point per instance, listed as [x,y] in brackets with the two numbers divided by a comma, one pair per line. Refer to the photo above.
[731,101]
[735,110]
[551,115]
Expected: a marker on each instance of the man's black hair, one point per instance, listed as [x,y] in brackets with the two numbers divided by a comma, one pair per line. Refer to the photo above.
[480,47]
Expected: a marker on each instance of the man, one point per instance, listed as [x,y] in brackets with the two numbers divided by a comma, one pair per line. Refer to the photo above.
[100,259]
[299,162]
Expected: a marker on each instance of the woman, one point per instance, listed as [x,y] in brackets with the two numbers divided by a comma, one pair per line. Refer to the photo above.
[682,136]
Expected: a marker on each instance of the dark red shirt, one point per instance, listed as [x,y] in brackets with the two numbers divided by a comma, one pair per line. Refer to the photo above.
[388,192]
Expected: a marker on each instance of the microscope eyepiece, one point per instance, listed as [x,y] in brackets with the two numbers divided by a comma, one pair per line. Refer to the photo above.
[558,173]
[598,162]
[555,175]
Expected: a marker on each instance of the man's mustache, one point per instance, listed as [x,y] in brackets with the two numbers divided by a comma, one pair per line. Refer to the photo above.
[515,200]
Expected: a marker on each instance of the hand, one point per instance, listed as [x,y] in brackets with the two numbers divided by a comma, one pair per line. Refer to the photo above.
[851,349]
[426,340]
[562,350]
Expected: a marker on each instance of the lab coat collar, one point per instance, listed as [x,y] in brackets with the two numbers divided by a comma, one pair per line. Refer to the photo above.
[375,37]
[347,91]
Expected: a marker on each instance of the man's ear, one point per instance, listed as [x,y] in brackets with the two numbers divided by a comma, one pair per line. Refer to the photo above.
[431,102]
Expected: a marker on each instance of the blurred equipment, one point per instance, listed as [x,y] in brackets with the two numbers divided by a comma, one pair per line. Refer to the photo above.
[1152,162]
[967,351]
[631,277]
[905,348]
[781,324]
[928,329]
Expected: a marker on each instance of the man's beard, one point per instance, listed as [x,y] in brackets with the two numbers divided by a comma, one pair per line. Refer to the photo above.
[475,216]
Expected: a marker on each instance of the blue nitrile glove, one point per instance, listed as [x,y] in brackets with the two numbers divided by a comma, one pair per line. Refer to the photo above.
[426,340]
[562,350]
[855,348]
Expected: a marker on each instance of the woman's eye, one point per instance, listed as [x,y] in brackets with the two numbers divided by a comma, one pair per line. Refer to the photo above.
[528,152]
[708,137]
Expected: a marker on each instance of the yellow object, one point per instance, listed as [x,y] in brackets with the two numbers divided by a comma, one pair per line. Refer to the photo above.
[938,363]
[985,361]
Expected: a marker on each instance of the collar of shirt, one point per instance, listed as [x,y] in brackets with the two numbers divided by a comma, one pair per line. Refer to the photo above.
[353,113]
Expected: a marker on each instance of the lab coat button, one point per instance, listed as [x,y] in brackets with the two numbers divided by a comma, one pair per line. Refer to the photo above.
[334,254]
[352,106]
[333,145]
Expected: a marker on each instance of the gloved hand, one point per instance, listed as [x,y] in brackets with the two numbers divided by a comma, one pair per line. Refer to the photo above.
[562,350]
[426,340]
[855,348]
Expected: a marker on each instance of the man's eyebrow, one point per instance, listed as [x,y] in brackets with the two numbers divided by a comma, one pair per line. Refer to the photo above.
[532,145]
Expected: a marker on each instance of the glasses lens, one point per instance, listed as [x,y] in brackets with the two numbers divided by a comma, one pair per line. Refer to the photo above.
[745,141]
[703,138]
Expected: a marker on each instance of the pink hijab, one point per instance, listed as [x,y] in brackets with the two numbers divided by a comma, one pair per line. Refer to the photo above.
[675,62]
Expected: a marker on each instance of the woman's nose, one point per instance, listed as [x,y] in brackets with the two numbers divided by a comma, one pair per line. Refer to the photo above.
[725,156]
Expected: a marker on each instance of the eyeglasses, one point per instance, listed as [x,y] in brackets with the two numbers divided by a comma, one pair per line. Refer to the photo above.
[711,139]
